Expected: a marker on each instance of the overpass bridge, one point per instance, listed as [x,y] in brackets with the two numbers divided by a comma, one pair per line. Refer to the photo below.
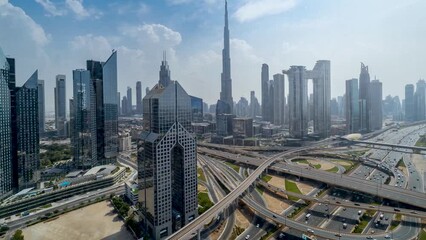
[392,146]
[405,196]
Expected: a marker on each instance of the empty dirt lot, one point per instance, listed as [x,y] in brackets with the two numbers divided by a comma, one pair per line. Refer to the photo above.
[97,221]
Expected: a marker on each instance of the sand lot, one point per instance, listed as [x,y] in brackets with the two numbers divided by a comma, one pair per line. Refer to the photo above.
[97,221]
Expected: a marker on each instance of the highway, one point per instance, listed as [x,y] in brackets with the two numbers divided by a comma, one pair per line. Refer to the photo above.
[191,228]
[389,192]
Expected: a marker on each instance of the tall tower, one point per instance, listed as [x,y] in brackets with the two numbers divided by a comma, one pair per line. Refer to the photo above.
[410,113]
[164,72]
[60,105]
[138,97]
[5,130]
[364,98]
[129,101]
[28,135]
[352,106]
[298,101]
[226,103]
[322,98]
[167,163]
[265,92]
[41,111]
[279,99]
[376,110]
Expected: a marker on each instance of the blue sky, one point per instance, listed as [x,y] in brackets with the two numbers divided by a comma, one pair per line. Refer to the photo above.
[57,36]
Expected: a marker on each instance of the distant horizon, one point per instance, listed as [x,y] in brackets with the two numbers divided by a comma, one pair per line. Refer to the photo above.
[58,37]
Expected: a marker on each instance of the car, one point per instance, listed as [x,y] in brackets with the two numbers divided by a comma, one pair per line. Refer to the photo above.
[369,237]
[356,204]
[248,236]
[310,231]
[257,225]
[274,216]
[338,235]
[387,236]
[344,209]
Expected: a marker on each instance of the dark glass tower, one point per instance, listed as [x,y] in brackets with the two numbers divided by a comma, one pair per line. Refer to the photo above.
[5,130]
[167,165]
[60,105]
[364,98]
[164,72]
[104,105]
[225,104]
[28,132]
[139,97]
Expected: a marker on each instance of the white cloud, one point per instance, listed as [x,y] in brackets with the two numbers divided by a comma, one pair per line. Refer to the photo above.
[51,8]
[153,34]
[254,9]
[80,11]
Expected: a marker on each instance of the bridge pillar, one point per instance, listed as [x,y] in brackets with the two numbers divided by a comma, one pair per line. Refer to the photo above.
[199,234]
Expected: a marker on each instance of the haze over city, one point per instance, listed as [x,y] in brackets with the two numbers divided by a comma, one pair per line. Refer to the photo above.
[212,119]
[58,36]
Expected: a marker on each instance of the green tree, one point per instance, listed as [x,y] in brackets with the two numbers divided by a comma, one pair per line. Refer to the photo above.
[18,235]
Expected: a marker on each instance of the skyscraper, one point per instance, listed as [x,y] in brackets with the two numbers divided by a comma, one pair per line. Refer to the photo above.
[164,73]
[96,113]
[167,165]
[83,121]
[242,108]
[5,130]
[28,132]
[225,104]
[138,97]
[129,101]
[352,106]
[41,111]
[265,92]
[364,98]
[410,113]
[420,100]
[279,99]
[298,101]
[14,118]
[322,97]
[60,105]
[376,106]
[254,105]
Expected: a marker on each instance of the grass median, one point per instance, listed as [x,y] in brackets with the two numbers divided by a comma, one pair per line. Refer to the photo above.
[292,187]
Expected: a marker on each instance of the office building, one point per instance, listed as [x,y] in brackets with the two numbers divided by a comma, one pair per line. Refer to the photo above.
[242,108]
[83,121]
[352,106]
[41,104]
[364,98]
[376,106]
[225,104]
[60,105]
[279,100]
[5,129]
[119,103]
[420,100]
[138,97]
[242,127]
[254,105]
[167,165]
[129,101]
[224,126]
[298,101]
[124,106]
[410,111]
[321,98]
[197,109]
[28,132]
[96,113]
[265,92]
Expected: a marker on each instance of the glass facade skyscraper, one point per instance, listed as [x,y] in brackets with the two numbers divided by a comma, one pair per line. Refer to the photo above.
[167,165]
[60,105]
[83,121]
[28,132]
[95,115]
[352,106]
[41,111]
[5,130]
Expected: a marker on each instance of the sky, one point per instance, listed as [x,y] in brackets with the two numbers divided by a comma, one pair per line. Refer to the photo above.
[58,36]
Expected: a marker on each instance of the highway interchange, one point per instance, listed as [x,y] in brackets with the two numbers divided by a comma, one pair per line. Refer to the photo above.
[372,177]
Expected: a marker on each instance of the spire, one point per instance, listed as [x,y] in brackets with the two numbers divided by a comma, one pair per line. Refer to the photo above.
[226,14]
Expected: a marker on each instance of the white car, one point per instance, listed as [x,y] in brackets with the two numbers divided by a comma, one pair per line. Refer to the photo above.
[248,236]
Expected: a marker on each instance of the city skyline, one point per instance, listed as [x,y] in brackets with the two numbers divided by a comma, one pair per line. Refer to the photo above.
[189,42]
